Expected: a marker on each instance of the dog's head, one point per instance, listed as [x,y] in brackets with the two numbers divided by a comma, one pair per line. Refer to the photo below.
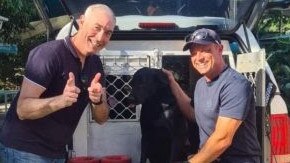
[149,83]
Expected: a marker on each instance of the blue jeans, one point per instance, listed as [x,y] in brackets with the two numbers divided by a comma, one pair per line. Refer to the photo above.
[10,155]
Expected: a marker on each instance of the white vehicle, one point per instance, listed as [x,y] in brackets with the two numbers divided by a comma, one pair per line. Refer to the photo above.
[144,38]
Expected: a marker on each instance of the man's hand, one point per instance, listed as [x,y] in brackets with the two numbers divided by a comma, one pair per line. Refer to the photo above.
[169,74]
[70,92]
[95,90]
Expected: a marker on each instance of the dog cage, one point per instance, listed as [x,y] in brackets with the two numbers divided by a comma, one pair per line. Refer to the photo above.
[119,70]
[252,66]
[183,73]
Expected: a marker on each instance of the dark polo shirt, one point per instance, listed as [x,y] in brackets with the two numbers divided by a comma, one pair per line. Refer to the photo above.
[48,66]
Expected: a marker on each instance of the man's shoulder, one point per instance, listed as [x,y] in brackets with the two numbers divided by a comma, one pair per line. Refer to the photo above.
[49,47]
[234,75]
[235,81]
[51,44]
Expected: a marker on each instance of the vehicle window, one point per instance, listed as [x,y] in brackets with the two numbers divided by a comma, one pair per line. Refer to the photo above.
[183,14]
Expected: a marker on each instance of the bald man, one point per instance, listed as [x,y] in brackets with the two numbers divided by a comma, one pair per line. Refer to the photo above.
[61,78]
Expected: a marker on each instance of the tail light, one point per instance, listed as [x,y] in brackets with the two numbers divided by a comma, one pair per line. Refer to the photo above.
[280,137]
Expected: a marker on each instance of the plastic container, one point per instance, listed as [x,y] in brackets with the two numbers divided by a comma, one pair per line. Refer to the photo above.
[116,159]
[84,159]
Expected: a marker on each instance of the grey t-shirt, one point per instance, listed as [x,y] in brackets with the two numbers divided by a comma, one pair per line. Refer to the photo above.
[228,95]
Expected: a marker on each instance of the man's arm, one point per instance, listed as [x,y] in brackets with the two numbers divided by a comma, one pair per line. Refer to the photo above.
[97,94]
[182,99]
[218,142]
[101,112]
[30,106]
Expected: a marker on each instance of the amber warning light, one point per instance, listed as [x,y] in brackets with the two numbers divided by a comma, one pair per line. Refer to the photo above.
[157,25]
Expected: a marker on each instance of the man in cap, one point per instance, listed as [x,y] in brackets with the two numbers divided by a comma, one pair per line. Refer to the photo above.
[223,104]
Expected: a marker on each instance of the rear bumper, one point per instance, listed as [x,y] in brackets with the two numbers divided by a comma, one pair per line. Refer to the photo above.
[281,158]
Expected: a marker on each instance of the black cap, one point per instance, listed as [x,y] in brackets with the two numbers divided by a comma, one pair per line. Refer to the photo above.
[201,36]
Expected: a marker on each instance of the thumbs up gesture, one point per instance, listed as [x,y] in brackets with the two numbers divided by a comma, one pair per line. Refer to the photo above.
[95,89]
[71,91]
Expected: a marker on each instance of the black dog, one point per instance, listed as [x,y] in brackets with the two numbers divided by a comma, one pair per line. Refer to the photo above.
[162,125]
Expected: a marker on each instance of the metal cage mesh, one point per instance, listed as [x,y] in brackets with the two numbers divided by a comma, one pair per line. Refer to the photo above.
[119,71]
[252,66]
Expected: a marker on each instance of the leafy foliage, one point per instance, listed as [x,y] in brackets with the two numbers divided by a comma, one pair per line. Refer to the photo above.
[273,31]
[19,13]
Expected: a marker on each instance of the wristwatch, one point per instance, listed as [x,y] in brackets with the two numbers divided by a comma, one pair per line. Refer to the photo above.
[100,102]
[97,103]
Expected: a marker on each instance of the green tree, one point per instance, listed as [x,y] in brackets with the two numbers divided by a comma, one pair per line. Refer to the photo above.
[19,13]
[273,33]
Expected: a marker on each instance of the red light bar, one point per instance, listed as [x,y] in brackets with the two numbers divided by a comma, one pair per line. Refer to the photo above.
[157,25]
